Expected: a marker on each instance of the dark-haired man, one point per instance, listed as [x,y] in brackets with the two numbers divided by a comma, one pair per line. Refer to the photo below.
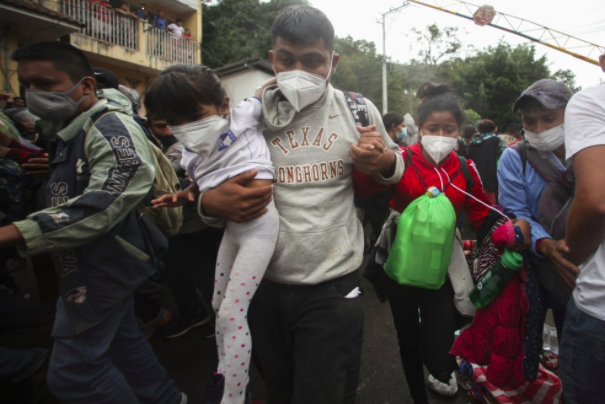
[306,318]
[101,167]
[485,150]
[530,175]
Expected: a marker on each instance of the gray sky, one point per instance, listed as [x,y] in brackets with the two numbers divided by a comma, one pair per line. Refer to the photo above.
[584,19]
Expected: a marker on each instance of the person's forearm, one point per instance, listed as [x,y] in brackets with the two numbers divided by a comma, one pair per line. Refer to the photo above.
[208,204]
[585,230]
[388,162]
[10,236]
[194,189]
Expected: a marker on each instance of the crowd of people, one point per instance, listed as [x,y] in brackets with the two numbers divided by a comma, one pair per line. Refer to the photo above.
[157,20]
[115,21]
[244,221]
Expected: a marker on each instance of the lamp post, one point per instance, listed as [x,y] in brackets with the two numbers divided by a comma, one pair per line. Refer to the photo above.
[385,106]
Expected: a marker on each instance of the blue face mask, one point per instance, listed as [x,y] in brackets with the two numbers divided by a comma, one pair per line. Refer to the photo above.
[401,135]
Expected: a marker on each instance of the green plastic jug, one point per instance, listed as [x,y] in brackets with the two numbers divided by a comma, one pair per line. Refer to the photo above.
[421,252]
[496,279]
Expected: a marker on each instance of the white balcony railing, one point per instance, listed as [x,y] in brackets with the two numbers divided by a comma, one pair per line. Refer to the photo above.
[166,46]
[103,23]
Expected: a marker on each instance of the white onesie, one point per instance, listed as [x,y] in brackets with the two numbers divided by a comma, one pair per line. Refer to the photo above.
[242,148]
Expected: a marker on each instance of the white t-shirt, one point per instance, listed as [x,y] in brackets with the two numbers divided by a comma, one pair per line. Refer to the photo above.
[242,148]
[585,127]
[176,30]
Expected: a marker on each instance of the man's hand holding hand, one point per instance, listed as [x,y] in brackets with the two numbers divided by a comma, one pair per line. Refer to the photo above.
[371,156]
[557,252]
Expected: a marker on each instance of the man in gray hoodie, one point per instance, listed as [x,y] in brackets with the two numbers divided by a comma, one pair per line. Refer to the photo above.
[306,318]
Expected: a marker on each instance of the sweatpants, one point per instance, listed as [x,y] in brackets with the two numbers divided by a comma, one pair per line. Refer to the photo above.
[243,257]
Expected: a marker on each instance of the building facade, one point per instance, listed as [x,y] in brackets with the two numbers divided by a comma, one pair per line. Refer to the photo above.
[131,43]
[241,79]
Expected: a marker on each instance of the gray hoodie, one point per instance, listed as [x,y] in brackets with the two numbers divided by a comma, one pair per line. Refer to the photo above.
[320,235]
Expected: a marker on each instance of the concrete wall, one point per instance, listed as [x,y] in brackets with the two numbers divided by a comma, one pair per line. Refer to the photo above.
[241,85]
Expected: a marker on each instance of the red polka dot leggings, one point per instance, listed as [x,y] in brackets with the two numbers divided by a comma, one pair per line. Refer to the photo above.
[243,257]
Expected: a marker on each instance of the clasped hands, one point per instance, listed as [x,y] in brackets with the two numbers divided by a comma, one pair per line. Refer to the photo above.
[371,156]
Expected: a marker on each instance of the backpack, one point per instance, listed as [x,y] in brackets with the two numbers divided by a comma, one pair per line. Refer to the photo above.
[421,252]
[168,220]
[357,105]
[422,249]
[553,209]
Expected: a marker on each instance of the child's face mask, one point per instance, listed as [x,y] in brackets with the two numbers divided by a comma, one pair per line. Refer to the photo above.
[201,136]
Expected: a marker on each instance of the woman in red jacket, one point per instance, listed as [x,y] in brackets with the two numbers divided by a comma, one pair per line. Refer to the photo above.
[433,163]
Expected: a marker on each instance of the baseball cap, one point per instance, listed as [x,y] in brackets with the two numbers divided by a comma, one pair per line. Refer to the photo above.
[550,93]
[105,78]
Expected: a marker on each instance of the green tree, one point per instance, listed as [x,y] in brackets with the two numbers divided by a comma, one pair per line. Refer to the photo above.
[568,77]
[472,117]
[438,42]
[360,70]
[234,30]
[491,81]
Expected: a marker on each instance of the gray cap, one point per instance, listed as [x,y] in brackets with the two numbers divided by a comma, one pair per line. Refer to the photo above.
[550,93]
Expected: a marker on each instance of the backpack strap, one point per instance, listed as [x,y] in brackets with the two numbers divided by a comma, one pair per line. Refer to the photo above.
[357,105]
[470,182]
[521,148]
[408,160]
[547,171]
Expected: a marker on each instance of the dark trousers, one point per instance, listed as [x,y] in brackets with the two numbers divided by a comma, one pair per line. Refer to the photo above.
[582,357]
[189,265]
[376,208]
[307,341]
[427,341]
[558,310]
[108,363]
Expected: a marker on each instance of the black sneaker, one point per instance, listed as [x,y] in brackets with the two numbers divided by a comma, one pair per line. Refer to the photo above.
[185,325]
[214,393]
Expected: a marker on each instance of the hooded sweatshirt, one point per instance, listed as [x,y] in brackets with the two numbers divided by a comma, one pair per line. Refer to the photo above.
[320,235]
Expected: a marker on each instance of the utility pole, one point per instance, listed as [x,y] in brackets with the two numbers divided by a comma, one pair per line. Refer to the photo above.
[385,107]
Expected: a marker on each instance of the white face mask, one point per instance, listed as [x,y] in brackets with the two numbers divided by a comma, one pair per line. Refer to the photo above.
[438,147]
[303,88]
[201,136]
[548,140]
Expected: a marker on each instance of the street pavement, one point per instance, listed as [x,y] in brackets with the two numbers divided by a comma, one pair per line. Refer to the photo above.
[191,359]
